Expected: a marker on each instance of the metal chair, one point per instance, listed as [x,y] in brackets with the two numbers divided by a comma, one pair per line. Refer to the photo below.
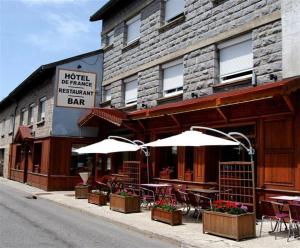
[272,211]
[183,200]
[200,203]
[147,197]
[294,214]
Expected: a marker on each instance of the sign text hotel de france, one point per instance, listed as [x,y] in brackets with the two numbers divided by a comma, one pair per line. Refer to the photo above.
[76,89]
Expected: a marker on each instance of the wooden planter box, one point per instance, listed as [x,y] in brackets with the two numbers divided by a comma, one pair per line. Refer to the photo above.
[172,218]
[230,226]
[98,199]
[82,191]
[125,204]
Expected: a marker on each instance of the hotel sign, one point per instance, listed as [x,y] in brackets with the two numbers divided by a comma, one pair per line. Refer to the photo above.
[76,89]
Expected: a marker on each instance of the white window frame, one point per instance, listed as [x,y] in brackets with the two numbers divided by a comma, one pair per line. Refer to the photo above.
[177,89]
[3,127]
[129,101]
[22,117]
[168,5]
[106,94]
[11,124]
[42,109]
[129,24]
[110,38]
[30,119]
[243,74]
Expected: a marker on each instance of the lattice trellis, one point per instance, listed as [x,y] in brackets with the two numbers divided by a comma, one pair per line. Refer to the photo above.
[237,182]
[132,172]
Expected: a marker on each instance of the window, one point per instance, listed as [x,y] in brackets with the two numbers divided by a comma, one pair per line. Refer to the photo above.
[131,85]
[3,128]
[173,78]
[133,29]
[110,38]
[80,162]
[22,116]
[30,114]
[173,8]
[11,124]
[236,59]
[106,94]
[42,109]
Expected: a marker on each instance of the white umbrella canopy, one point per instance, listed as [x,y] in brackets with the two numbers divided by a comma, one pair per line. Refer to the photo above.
[109,146]
[192,138]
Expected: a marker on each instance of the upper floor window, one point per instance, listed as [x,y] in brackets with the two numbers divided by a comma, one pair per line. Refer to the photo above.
[131,85]
[110,38]
[3,128]
[133,29]
[106,94]
[30,114]
[11,124]
[236,59]
[173,78]
[173,8]
[22,116]
[42,109]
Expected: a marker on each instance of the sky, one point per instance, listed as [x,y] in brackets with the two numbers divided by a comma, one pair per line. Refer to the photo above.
[37,32]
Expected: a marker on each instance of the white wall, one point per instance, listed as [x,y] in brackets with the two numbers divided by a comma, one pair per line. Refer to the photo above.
[290,38]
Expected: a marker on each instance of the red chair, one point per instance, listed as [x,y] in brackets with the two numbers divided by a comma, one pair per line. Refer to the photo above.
[294,213]
[273,211]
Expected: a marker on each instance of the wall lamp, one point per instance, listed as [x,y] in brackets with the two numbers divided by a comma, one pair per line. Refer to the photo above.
[273,77]
[194,95]
[79,66]
[144,105]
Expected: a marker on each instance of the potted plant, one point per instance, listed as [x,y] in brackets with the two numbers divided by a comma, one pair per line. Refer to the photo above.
[166,212]
[97,197]
[125,202]
[82,189]
[229,219]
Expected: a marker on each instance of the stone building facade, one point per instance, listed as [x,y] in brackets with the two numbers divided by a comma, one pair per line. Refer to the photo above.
[193,36]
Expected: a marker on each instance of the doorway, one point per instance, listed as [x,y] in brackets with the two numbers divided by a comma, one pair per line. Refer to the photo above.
[2,162]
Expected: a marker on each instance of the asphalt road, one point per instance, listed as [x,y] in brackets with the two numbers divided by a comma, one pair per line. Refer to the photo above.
[30,223]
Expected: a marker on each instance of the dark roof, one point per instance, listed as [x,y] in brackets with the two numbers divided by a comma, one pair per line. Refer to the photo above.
[38,75]
[107,8]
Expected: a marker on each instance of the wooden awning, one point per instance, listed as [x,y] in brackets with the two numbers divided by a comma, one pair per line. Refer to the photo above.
[23,133]
[265,91]
[111,115]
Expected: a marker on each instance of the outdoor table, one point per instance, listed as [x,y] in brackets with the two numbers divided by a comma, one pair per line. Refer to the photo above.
[285,198]
[159,189]
[211,193]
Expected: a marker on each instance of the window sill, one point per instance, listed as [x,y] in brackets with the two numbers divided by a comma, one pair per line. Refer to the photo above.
[231,85]
[131,45]
[30,125]
[129,108]
[168,99]
[168,25]
[105,103]
[40,123]
[107,48]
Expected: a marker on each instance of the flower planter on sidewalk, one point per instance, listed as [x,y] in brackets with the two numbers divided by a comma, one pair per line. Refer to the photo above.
[229,225]
[172,217]
[82,191]
[125,204]
[97,198]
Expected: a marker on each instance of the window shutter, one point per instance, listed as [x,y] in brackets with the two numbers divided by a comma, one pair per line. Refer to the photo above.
[173,8]
[133,29]
[173,77]
[236,58]
[131,92]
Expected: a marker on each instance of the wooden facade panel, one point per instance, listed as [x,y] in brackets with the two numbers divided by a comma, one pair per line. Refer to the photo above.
[279,168]
[278,134]
[199,164]
[181,163]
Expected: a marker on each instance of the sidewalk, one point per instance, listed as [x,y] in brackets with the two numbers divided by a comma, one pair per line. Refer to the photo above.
[188,235]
